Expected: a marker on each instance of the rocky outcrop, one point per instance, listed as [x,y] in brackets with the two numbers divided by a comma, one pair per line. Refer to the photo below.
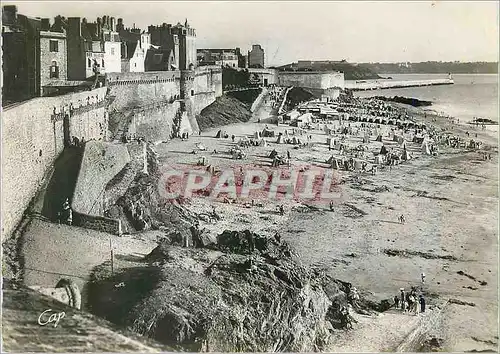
[225,110]
[244,293]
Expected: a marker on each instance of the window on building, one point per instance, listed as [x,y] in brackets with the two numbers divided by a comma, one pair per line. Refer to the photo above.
[192,92]
[53,46]
[112,51]
[135,65]
[54,70]
[89,63]
[102,63]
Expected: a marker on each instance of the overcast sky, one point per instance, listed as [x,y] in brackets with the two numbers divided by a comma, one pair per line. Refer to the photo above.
[289,31]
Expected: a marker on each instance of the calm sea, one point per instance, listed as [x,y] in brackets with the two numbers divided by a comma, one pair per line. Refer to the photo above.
[472,95]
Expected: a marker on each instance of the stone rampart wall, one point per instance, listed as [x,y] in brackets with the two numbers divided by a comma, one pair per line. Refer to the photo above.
[100,163]
[32,139]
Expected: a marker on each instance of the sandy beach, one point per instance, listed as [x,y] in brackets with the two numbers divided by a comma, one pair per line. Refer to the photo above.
[449,202]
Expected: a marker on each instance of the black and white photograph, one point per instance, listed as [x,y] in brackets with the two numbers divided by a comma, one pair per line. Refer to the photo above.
[249,176]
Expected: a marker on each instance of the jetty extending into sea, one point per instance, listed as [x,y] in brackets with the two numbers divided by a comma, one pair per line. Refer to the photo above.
[363,85]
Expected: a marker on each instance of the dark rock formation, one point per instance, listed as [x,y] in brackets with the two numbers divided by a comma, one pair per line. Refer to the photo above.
[405,100]
[239,295]
[225,110]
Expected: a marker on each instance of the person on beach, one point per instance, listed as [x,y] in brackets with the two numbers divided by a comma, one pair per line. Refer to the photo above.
[402,219]
[331,206]
[396,301]
[67,213]
[422,276]
[421,300]
[403,298]
[232,138]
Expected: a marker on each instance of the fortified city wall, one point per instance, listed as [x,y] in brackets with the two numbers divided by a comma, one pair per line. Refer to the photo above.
[157,97]
[101,161]
[34,133]
[311,79]
[36,130]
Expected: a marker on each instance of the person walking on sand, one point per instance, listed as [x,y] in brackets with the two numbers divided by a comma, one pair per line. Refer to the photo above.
[402,219]
[422,276]
[403,299]
[421,300]
[232,137]
[396,301]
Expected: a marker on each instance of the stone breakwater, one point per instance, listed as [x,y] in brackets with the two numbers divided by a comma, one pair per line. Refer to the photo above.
[362,85]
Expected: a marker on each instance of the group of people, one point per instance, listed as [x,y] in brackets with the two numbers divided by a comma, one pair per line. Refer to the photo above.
[409,302]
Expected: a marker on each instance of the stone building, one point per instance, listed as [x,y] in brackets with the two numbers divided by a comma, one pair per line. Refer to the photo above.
[231,58]
[53,60]
[134,46]
[172,48]
[20,58]
[93,48]
[256,57]
[34,55]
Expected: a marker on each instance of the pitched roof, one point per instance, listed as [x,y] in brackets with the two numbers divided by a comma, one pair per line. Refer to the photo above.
[158,59]
[128,49]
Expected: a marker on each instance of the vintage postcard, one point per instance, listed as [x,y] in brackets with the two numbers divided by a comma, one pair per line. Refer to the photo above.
[291,176]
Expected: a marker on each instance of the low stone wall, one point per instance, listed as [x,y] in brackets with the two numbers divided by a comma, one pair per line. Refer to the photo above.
[100,163]
[98,223]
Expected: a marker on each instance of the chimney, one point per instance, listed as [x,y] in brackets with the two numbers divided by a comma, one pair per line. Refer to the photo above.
[119,25]
[98,26]
[45,24]
[9,14]
[74,26]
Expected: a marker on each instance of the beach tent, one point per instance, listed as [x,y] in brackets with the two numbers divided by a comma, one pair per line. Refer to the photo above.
[406,155]
[330,142]
[366,139]
[379,138]
[358,164]
[273,154]
[400,140]
[257,135]
[262,142]
[379,159]
[292,115]
[280,139]
[383,150]
[266,133]
[219,134]
[425,148]
[333,163]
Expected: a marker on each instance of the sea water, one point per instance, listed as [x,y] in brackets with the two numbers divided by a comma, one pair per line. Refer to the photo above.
[471,96]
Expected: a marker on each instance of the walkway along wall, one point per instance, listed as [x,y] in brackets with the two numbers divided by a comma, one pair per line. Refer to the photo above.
[33,135]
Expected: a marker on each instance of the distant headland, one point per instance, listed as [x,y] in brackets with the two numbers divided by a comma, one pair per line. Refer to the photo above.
[433,67]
